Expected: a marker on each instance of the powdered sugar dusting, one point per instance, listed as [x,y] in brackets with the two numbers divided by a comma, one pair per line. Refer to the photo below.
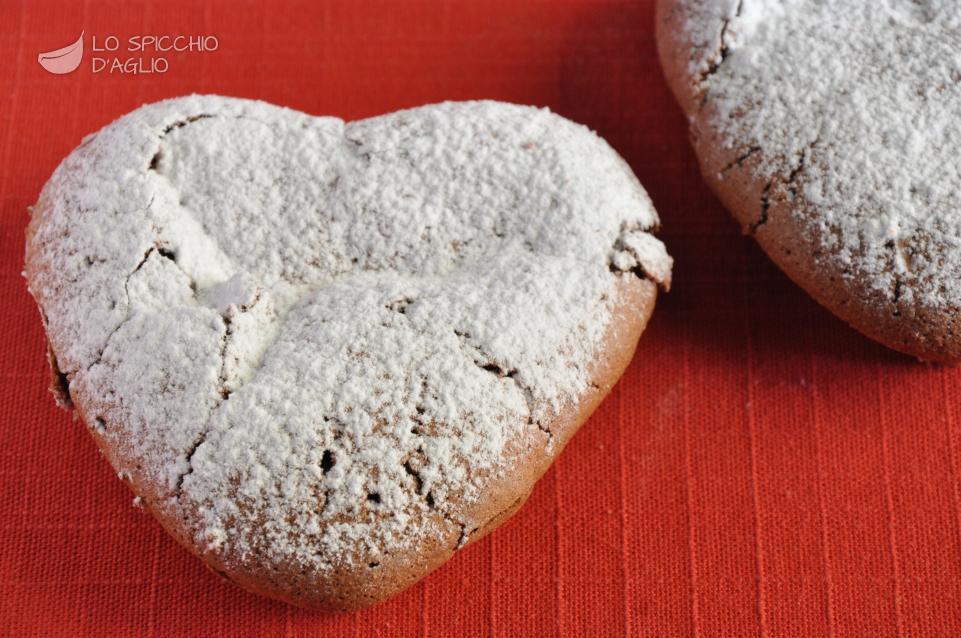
[323,339]
[852,109]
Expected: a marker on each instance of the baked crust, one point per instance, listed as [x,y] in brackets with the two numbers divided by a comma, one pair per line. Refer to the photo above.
[370,569]
[779,215]
[353,589]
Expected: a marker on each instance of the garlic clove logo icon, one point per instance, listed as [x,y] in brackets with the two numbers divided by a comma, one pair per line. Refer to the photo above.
[63,60]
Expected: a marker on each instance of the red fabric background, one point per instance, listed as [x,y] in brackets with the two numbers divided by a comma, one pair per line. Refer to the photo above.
[761,468]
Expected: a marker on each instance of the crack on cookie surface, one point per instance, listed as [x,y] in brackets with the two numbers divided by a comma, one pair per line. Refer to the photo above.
[489,364]
[738,161]
[464,537]
[225,384]
[719,56]
[185,121]
[415,462]
[765,209]
[222,396]
[789,183]
[223,381]
[637,252]
[157,158]
[128,315]
[725,49]
[178,486]
[160,249]
[896,297]
[801,166]
[467,530]
[59,381]
[418,481]
[635,271]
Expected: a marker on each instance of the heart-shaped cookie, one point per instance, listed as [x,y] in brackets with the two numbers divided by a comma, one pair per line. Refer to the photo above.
[830,130]
[328,355]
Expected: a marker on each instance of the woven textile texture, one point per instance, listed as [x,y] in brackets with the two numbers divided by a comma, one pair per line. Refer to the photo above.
[761,469]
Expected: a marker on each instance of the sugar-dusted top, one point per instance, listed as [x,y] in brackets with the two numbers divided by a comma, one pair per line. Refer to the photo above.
[321,339]
[852,110]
